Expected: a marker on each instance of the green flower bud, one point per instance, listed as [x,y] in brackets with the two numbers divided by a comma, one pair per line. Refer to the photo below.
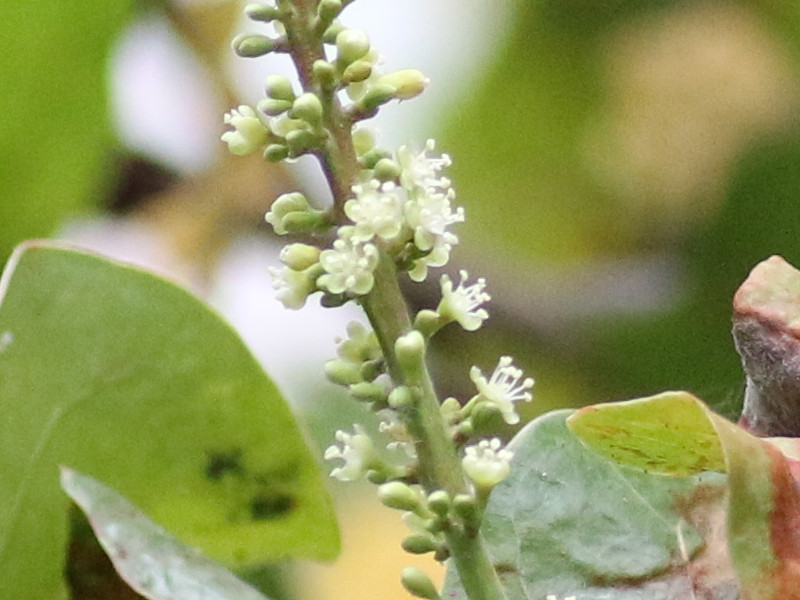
[372,156]
[332,32]
[357,71]
[407,83]
[300,141]
[351,44]
[410,351]
[439,502]
[386,169]
[251,45]
[307,107]
[279,87]
[486,418]
[399,495]
[376,96]
[286,206]
[363,140]
[342,372]
[299,256]
[276,152]
[324,73]
[419,544]
[371,369]
[418,584]
[328,10]
[466,507]
[262,13]
[272,107]
[368,392]
[427,321]
[401,397]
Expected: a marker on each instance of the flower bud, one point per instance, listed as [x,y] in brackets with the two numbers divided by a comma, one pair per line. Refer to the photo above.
[439,502]
[427,322]
[276,152]
[407,83]
[251,45]
[363,140]
[328,10]
[262,13]
[342,372]
[410,351]
[386,170]
[376,96]
[300,141]
[357,71]
[351,44]
[324,73]
[418,584]
[368,392]
[286,206]
[401,397]
[249,132]
[307,107]
[272,107]
[419,544]
[332,32]
[486,418]
[299,256]
[465,506]
[399,495]
[371,369]
[279,87]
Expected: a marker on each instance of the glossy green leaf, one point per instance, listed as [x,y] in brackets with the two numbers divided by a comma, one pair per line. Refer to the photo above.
[569,522]
[131,379]
[55,132]
[152,562]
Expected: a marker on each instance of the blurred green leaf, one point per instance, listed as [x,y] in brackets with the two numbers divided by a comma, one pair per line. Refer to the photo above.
[54,126]
[153,562]
[129,378]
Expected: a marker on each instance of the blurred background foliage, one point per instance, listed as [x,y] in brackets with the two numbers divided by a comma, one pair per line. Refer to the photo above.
[623,165]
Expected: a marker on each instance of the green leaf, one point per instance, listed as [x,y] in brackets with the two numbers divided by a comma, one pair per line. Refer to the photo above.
[675,433]
[569,522]
[54,127]
[131,379]
[151,561]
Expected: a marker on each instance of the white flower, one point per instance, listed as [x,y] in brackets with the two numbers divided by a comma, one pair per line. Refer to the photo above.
[503,388]
[420,171]
[487,464]
[437,257]
[348,267]
[356,450]
[462,304]
[249,132]
[376,210]
[430,214]
[292,287]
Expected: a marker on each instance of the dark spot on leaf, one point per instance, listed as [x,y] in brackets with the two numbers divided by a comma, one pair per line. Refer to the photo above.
[221,463]
[270,506]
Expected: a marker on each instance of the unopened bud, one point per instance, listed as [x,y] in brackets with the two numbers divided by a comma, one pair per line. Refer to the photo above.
[465,506]
[410,351]
[279,87]
[332,32]
[299,256]
[399,495]
[419,584]
[342,372]
[439,502]
[272,107]
[368,392]
[419,544]
[351,45]
[276,152]
[307,107]
[328,10]
[407,83]
[401,397]
[262,13]
[357,71]
[251,45]
[386,170]
[377,95]
[363,140]
[300,141]
[324,73]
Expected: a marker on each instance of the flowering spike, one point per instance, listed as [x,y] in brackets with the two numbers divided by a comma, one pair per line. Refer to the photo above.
[503,388]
